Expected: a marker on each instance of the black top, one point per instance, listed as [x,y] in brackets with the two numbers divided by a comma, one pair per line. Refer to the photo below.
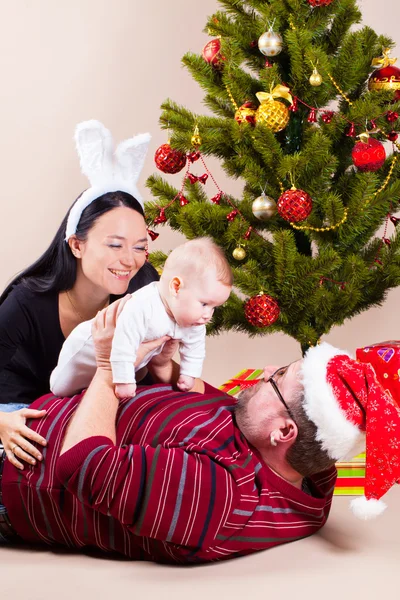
[31,339]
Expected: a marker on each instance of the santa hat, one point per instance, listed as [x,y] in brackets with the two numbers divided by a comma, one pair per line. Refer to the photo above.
[354,410]
[108,170]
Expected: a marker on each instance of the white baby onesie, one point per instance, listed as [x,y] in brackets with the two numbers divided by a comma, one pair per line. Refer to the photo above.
[143,318]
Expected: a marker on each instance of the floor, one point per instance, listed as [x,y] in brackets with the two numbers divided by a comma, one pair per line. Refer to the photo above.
[348,559]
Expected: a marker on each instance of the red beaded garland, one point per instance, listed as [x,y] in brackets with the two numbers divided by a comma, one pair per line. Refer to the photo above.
[169,160]
[261,310]
[294,205]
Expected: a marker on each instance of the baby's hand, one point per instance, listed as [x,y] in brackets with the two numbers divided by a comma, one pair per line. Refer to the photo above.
[125,391]
[185,383]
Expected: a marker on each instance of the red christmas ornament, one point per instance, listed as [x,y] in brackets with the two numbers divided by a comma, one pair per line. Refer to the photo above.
[248,233]
[232,215]
[246,113]
[319,2]
[392,116]
[253,44]
[387,78]
[368,155]
[312,117]
[193,156]
[387,241]
[192,178]
[212,53]
[161,217]
[351,131]
[217,198]
[327,116]
[294,107]
[152,234]
[203,178]
[395,220]
[392,136]
[169,160]
[182,200]
[294,205]
[261,310]
[268,64]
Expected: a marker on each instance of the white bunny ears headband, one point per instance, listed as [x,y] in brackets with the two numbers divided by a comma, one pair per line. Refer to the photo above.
[107,171]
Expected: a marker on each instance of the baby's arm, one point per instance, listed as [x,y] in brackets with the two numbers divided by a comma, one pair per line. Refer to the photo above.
[192,352]
[76,363]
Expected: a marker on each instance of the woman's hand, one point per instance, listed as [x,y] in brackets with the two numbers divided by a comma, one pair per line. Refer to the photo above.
[103,329]
[15,434]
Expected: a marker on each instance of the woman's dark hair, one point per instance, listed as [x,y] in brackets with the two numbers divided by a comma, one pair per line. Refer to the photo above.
[55,270]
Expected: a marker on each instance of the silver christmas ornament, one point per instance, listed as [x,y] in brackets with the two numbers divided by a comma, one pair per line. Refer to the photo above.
[270,43]
[264,207]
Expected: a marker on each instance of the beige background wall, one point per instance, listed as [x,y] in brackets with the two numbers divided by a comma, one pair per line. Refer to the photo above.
[65,61]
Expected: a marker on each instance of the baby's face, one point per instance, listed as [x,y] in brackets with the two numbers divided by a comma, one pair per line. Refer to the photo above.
[196,300]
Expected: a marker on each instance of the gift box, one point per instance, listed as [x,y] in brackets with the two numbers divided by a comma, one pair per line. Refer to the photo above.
[351,474]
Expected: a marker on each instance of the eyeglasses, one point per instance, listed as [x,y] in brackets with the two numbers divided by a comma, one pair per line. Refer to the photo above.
[272,381]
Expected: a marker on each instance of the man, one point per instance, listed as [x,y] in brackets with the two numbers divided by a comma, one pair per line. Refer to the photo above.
[173,477]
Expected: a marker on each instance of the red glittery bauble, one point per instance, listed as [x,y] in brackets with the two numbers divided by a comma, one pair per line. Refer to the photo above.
[368,156]
[294,205]
[387,78]
[169,160]
[261,310]
[212,53]
[319,2]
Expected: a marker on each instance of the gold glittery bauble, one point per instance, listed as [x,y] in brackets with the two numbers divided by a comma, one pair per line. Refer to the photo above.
[273,114]
[239,253]
[315,79]
[264,207]
[196,139]
[270,43]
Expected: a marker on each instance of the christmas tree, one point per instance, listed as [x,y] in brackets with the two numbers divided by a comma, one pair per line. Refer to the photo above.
[305,109]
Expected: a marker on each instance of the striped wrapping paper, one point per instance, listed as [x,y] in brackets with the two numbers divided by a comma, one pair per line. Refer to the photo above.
[351,475]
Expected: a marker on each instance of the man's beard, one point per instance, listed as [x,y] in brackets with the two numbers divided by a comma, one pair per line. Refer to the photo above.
[243,399]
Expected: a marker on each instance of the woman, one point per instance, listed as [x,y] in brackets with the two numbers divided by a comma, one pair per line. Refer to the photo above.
[103,260]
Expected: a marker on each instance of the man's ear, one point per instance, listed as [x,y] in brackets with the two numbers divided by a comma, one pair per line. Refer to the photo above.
[76,246]
[287,433]
[175,285]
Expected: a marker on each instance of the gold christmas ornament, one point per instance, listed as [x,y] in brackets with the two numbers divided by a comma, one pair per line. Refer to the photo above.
[270,43]
[264,207]
[271,112]
[196,139]
[316,78]
[239,253]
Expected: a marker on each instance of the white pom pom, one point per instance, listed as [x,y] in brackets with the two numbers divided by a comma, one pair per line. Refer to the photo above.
[367,509]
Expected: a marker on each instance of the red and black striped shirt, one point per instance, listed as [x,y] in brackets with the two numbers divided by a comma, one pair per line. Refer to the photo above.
[180,485]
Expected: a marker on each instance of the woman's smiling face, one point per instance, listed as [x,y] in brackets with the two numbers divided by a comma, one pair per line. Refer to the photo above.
[115,250]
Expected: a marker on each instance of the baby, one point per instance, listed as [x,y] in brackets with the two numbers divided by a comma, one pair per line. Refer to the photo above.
[196,279]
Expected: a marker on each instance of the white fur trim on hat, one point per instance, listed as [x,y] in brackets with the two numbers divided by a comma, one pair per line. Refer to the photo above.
[340,438]
[106,171]
[367,509]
